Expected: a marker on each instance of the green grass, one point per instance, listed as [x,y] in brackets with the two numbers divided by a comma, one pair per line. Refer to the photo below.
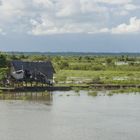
[3,72]
[86,70]
[127,90]
[76,89]
[93,93]
[106,77]
[110,94]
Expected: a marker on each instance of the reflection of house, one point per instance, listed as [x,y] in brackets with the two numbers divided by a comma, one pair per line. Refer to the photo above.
[32,71]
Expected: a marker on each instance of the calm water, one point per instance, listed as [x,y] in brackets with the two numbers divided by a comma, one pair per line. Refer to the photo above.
[74,117]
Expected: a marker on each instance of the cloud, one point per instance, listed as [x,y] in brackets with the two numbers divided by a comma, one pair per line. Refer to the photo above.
[43,17]
[131,7]
[49,4]
[114,2]
[10,9]
[132,27]
[2,32]
[49,27]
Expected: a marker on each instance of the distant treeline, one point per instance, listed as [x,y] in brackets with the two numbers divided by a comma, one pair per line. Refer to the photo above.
[73,53]
[78,62]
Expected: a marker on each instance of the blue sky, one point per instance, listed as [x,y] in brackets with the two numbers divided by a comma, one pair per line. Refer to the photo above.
[70,25]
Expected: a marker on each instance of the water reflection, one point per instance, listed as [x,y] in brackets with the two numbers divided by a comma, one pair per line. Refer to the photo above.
[72,116]
[42,97]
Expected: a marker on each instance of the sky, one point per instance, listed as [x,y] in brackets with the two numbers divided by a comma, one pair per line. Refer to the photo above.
[70,25]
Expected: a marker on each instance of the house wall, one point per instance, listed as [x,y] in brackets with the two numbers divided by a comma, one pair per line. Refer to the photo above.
[17,76]
[50,75]
[31,66]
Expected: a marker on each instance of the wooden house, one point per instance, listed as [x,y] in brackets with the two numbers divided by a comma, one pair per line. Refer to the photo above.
[32,71]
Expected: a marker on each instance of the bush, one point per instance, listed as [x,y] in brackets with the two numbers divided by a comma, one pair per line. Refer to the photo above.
[3,61]
[97,80]
[63,65]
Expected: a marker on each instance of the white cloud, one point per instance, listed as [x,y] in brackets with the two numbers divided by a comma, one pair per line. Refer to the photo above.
[2,32]
[131,7]
[42,17]
[132,27]
[44,3]
[11,9]
[87,6]
[115,1]
[104,30]
[79,16]
[67,8]
[49,27]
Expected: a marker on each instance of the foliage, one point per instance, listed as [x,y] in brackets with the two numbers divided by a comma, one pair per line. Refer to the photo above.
[96,69]
[3,61]
[93,93]
[127,90]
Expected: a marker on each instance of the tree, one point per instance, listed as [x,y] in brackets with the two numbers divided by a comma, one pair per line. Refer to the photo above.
[63,65]
[109,61]
[3,61]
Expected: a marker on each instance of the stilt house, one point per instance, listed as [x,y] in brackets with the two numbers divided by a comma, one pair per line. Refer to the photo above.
[32,71]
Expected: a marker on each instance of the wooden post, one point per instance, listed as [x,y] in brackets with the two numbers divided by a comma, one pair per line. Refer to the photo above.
[42,83]
[26,83]
[31,83]
[17,83]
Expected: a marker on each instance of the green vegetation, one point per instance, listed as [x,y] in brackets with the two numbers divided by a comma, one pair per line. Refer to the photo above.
[98,77]
[76,89]
[86,70]
[83,70]
[127,90]
[93,93]
[110,94]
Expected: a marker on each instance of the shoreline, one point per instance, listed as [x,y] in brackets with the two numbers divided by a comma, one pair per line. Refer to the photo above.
[68,88]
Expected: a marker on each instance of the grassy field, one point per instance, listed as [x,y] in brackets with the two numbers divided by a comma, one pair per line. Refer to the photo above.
[84,70]
[98,77]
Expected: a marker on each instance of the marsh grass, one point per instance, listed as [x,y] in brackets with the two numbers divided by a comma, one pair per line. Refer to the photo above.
[110,94]
[125,91]
[93,93]
[76,89]
[1,95]
[107,76]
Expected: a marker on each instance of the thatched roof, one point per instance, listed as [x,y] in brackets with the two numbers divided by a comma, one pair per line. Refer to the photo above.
[43,67]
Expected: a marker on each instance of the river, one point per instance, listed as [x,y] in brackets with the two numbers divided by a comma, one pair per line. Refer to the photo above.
[71,116]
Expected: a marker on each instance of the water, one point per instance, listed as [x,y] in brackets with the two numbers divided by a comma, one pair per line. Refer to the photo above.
[68,116]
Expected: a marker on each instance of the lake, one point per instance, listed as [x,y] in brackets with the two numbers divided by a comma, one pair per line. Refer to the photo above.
[71,116]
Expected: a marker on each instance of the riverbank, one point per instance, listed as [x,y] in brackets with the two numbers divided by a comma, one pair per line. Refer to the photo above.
[108,72]
[68,88]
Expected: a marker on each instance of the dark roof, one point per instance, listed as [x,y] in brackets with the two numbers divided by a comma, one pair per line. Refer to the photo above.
[43,67]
